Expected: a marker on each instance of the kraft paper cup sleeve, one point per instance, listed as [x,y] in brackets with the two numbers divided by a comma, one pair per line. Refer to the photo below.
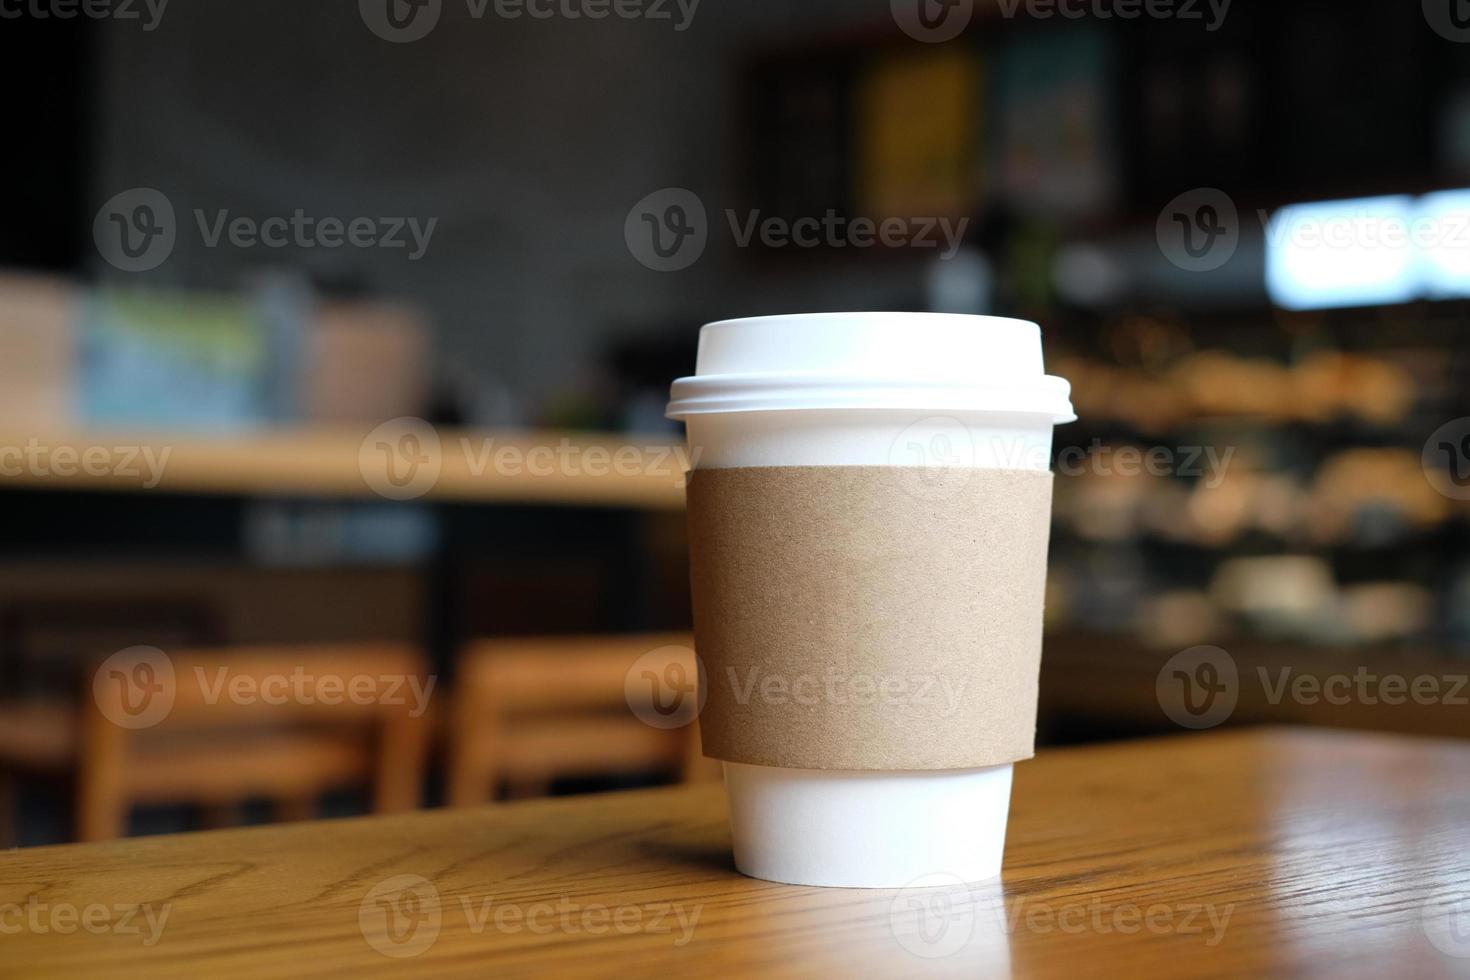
[847,622]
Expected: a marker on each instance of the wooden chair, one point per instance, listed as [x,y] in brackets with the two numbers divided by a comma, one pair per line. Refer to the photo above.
[527,711]
[284,724]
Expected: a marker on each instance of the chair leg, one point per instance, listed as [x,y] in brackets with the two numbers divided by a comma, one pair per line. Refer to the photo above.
[398,776]
[102,804]
[471,776]
[101,814]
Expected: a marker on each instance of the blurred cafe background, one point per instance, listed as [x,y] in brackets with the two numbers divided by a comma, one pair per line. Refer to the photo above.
[335,339]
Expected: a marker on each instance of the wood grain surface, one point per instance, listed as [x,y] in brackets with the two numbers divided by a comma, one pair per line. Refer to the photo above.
[1262,852]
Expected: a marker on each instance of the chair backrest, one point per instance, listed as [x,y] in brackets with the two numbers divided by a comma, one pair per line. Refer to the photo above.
[527,709]
[154,724]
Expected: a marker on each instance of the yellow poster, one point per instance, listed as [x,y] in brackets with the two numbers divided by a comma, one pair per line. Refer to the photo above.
[918,120]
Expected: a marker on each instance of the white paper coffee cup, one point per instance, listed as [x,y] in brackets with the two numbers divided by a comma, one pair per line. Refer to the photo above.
[945,392]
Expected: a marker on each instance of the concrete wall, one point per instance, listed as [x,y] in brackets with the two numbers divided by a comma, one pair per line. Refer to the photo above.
[529,140]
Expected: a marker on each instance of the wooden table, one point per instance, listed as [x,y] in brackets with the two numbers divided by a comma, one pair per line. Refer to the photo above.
[1243,853]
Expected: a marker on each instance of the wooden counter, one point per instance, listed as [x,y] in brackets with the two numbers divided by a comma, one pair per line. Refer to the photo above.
[1249,853]
[522,466]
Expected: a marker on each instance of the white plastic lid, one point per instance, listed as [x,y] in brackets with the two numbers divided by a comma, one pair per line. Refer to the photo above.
[924,361]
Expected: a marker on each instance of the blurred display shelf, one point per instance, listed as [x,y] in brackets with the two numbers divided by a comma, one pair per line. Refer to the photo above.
[1099,678]
[387,463]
